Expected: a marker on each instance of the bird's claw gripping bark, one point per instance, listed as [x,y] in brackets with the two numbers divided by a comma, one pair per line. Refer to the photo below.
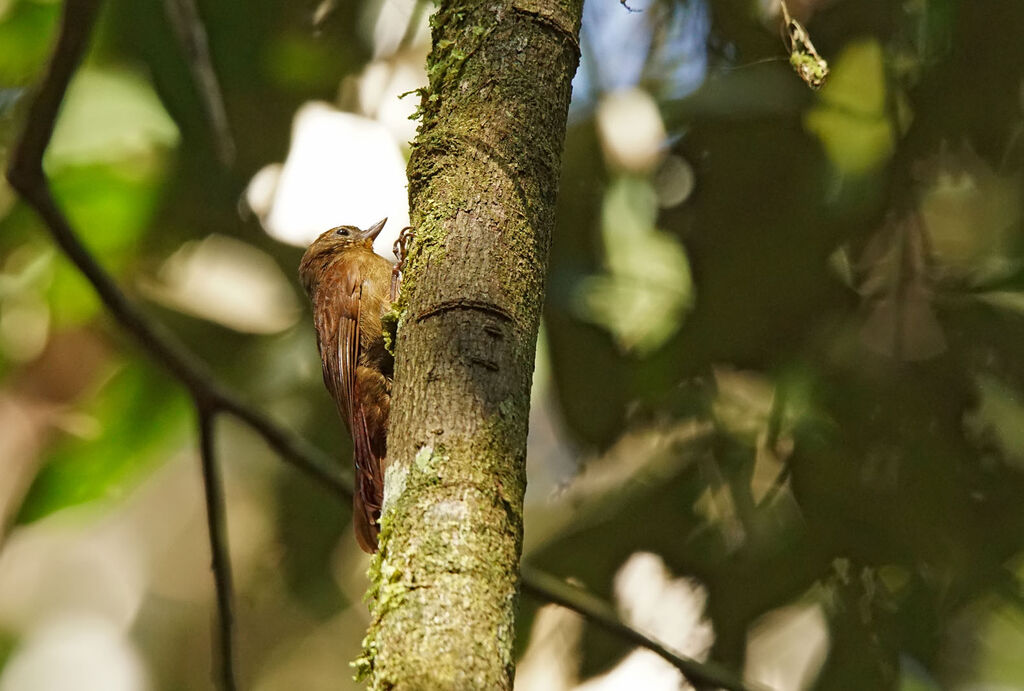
[401,250]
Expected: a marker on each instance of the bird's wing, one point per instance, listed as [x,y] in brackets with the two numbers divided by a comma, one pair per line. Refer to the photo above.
[335,332]
[344,389]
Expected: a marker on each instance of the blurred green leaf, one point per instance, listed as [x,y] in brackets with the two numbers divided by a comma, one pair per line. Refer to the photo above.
[972,214]
[851,119]
[999,414]
[109,115]
[646,289]
[1000,640]
[25,40]
[7,645]
[293,61]
[107,165]
[112,207]
[140,421]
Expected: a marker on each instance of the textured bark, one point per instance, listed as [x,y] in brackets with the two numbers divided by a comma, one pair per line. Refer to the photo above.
[482,183]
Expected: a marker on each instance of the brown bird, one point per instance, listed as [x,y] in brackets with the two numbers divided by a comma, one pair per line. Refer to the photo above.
[350,287]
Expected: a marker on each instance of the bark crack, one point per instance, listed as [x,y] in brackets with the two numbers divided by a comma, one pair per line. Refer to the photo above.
[551,22]
[463,304]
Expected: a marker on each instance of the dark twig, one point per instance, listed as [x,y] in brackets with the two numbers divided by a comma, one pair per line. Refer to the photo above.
[25,174]
[551,589]
[220,562]
[188,27]
[76,25]
[293,449]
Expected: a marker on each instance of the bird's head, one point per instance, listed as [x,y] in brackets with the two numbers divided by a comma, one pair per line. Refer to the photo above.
[331,243]
[343,237]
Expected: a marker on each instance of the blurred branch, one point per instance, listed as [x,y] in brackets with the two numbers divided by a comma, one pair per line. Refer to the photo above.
[293,449]
[216,524]
[188,27]
[413,25]
[703,675]
[27,162]
[25,175]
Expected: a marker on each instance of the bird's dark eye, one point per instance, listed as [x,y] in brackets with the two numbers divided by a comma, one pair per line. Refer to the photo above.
[342,231]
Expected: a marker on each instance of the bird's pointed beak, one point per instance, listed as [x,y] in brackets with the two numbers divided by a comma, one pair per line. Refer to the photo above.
[373,231]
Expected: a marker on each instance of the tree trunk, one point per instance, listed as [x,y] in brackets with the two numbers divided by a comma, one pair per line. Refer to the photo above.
[482,183]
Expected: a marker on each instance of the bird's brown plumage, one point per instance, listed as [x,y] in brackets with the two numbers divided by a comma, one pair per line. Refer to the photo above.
[350,286]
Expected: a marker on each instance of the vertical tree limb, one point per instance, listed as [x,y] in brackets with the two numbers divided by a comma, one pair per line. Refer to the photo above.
[482,182]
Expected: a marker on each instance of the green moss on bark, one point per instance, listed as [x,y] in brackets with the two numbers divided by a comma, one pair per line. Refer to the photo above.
[482,182]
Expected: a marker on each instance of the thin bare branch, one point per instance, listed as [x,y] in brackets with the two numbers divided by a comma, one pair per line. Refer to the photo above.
[191,34]
[220,562]
[295,450]
[76,26]
[25,175]
[702,675]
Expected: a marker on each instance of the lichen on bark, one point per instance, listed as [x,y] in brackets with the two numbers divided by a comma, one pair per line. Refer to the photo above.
[482,182]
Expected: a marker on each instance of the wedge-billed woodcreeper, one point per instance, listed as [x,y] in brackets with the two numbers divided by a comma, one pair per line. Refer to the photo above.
[350,288]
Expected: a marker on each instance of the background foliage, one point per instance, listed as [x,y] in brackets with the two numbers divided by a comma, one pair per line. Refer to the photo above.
[780,352]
